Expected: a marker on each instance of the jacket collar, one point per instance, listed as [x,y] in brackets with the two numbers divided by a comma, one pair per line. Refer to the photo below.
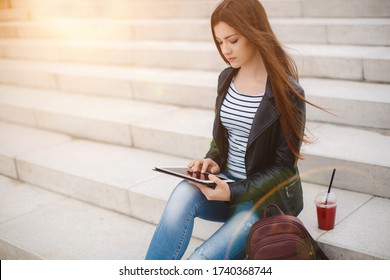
[227,76]
[266,114]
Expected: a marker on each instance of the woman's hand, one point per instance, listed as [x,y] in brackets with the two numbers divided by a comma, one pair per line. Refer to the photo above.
[221,191]
[204,165]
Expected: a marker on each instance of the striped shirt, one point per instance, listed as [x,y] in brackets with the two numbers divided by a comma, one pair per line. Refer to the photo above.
[237,113]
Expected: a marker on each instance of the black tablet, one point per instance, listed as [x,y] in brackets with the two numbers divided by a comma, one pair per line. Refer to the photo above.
[189,174]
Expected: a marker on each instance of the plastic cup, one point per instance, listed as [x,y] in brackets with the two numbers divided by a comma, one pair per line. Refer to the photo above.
[326,204]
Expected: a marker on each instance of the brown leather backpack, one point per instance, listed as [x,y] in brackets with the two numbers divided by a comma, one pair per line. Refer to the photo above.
[281,237]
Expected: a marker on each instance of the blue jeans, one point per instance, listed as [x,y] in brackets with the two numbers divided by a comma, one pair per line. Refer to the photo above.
[174,230]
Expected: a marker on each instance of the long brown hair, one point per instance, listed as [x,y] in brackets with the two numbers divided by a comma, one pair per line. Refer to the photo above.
[249,18]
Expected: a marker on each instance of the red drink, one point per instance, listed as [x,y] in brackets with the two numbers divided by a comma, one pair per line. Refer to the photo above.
[326,215]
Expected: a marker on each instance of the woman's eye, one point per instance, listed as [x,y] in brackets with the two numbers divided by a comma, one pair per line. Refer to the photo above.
[234,41]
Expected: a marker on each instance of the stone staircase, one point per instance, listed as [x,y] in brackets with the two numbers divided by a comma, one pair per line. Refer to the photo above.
[94,94]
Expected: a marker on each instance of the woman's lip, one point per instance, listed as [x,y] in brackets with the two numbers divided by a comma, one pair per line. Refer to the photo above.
[231,59]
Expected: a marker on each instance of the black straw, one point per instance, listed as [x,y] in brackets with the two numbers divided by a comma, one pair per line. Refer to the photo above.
[330,185]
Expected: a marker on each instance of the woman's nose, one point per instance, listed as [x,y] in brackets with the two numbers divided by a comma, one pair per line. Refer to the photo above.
[226,49]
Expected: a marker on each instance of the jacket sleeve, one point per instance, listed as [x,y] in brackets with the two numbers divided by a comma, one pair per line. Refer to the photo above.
[213,154]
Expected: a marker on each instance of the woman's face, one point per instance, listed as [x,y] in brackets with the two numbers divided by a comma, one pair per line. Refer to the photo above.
[236,48]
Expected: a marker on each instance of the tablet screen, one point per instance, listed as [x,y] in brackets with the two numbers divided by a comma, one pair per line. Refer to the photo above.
[189,174]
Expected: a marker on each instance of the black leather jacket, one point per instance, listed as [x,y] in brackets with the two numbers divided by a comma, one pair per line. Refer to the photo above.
[272,173]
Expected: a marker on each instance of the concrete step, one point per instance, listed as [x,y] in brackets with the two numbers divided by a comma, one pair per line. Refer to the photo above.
[18,140]
[325,61]
[346,8]
[131,53]
[357,31]
[174,8]
[116,9]
[343,62]
[338,31]
[121,179]
[109,29]
[354,103]
[102,119]
[39,224]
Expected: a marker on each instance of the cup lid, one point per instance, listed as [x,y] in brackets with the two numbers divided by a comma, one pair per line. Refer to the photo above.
[324,196]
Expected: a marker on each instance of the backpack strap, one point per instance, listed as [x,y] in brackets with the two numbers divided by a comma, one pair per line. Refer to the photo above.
[268,211]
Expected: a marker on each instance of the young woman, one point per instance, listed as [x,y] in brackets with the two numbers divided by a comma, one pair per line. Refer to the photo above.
[257,135]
